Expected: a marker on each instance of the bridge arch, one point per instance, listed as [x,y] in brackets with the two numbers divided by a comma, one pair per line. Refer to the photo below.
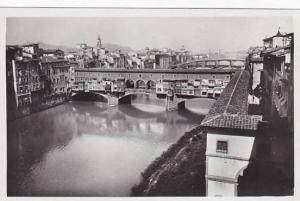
[89,96]
[129,84]
[151,84]
[140,84]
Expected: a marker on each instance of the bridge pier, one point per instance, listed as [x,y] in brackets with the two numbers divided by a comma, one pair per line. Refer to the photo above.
[112,101]
[174,103]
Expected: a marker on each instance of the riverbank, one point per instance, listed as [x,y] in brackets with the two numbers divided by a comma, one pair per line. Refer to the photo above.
[179,171]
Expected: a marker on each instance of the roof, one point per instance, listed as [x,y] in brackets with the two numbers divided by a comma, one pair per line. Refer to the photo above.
[279,34]
[276,49]
[52,59]
[231,108]
[245,122]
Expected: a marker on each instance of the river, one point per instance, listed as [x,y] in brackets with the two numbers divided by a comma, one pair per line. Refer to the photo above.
[86,149]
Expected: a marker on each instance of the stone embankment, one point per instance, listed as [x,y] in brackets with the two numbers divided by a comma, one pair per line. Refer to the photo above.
[38,105]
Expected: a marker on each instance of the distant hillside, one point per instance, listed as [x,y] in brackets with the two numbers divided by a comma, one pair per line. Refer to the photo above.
[108,46]
[62,47]
[112,47]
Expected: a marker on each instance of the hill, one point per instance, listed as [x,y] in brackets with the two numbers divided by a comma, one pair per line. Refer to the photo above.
[108,46]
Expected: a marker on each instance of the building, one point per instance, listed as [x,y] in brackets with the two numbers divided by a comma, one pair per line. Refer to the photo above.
[13,54]
[272,172]
[162,61]
[277,80]
[57,74]
[149,63]
[31,50]
[231,134]
[183,55]
[53,53]
[277,41]
[73,65]
[254,64]
[24,78]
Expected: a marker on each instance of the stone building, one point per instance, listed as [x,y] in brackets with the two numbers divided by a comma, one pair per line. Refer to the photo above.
[162,61]
[13,54]
[57,74]
[53,53]
[231,136]
[73,65]
[24,80]
[277,80]
[149,63]
[31,50]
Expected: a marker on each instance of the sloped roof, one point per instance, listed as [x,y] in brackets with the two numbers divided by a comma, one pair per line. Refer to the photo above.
[231,108]
[236,121]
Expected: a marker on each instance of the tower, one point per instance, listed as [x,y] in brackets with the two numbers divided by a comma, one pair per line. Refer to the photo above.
[99,45]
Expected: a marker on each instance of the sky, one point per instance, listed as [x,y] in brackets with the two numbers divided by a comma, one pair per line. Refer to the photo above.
[198,34]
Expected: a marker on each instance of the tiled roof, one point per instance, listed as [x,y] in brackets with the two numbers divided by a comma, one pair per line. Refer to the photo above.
[231,108]
[245,122]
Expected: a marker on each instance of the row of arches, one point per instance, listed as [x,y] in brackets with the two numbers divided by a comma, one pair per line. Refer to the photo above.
[140,84]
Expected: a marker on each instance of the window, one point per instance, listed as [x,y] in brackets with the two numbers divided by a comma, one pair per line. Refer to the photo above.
[217,95]
[222,146]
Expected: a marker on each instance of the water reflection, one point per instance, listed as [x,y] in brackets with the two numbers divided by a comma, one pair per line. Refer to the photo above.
[87,149]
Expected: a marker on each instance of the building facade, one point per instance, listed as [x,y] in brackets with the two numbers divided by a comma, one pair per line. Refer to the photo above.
[58,74]
[277,80]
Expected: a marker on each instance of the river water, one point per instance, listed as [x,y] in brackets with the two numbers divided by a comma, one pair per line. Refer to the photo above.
[86,149]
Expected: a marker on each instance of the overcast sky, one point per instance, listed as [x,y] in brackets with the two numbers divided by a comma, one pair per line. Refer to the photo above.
[198,34]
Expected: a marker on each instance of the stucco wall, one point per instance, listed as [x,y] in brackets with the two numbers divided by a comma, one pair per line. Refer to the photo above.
[223,169]
[216,188]
[238,146]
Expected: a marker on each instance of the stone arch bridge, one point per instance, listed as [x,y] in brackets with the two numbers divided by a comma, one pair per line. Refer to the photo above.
[146,81]
[169,102]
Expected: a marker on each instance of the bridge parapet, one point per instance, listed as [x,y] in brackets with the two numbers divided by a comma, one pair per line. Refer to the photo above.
[230,137]
[212,63]
[128,90]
